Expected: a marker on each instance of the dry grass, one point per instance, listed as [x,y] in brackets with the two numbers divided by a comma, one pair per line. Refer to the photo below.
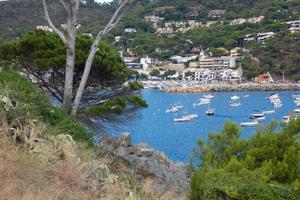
[52,170]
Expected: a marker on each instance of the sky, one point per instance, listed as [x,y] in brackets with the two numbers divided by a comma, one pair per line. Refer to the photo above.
[102,1]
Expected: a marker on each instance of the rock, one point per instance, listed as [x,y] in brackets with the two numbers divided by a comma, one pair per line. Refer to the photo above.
[102,172]
[167,175]
[126,140]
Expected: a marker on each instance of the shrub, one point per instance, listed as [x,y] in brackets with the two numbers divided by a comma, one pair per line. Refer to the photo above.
[264,167]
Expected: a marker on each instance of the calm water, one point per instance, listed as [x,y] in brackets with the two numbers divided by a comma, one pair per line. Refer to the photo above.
[156,127]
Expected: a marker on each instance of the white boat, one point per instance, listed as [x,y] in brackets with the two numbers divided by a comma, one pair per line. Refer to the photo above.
[297,111]
[249,124]
[202,101]
[172,110]
[246,95]
[296,96]
[182,119]
[273,96]
[208,96]
[235,104]
[210,112]
[268,112]
[186,118]
[179,107]
[234,98]
[257,115]
[278,105]
[193,116]
[286,119]
[260,119]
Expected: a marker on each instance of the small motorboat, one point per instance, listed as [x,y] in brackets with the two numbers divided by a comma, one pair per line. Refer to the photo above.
[247,95]
[234,98]
[193,116]
[186,118]
[278,105]
[182,119]
[273,96]
[249,124]
[235,104]
[179,107]
[268,112]
[210,112]
[208,96]
[297,111]
[296,96]
[256,115]
[260,119]
[286,119]
[172,110]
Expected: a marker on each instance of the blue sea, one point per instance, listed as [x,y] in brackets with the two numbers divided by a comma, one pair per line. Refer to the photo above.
[156,127]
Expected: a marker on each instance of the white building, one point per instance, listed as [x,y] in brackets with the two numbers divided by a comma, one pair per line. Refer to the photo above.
[44,28]
[216,13]
[295,26]
[263,36]
[118,38]
[153,18]
[217,62]
[130,30]
[181,60]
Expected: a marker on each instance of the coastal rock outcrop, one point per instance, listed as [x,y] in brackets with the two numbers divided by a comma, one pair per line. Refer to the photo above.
[165,174]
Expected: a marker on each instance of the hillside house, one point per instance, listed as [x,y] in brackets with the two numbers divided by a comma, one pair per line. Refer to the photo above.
[130,30]
[264,78]
[216,13]
[44,28]
[153,18]
[294,26]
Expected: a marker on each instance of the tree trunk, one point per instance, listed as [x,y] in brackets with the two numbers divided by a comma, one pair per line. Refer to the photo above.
[69,75]
[85,76]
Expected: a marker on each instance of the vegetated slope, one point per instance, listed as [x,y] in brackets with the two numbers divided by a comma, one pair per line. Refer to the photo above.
[44,154]
[279,55]
[19,16]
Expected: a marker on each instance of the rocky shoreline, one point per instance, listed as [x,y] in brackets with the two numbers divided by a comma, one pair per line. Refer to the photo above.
[154,168]
[232,87]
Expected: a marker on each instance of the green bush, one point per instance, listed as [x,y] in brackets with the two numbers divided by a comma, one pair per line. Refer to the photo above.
[267,166]
[135,85]
[137,101]
[31,102]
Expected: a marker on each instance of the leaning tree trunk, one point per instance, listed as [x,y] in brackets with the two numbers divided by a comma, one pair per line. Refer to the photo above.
[94,48]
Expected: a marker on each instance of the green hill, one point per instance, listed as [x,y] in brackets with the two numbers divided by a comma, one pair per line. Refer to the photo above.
[213,30]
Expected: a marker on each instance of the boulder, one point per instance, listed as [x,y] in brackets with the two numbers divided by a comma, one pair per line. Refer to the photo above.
[166,174]
[125,140]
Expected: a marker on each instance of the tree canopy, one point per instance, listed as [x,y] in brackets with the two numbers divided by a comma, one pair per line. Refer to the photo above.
[267,166]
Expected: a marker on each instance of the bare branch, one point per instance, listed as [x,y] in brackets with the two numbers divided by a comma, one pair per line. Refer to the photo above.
[63,3]
[111,22]
[58,32]
[77,4]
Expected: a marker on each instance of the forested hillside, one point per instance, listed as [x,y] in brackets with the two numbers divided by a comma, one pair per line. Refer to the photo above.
[216,24]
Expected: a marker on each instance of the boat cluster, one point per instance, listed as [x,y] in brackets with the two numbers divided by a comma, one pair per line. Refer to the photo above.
[275,100]
[175,108]
[277,103]
[256,117]
[234,101]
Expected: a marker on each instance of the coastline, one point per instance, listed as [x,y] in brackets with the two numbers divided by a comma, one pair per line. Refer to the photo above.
[195,87]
